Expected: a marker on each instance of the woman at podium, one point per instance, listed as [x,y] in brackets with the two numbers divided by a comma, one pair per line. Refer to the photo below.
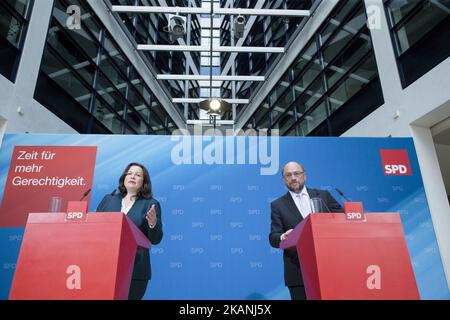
[135,199]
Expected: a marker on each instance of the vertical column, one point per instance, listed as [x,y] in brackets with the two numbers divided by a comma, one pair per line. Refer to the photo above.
[188,42]
[2,129]
[233,67]
[435,191]
[384,51]
[30,61]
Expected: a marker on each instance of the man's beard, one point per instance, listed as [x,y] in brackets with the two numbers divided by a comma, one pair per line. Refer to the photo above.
[297,189]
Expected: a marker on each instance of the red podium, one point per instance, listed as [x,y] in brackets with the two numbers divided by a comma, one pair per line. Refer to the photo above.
[90,259]
[343,259]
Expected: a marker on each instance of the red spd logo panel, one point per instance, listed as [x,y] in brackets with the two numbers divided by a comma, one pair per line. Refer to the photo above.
[395,162]
[354,211]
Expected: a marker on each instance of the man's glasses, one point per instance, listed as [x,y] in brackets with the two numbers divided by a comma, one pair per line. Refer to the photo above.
[295,174]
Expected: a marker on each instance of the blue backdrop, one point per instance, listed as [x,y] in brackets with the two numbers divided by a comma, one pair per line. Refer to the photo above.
[216,217]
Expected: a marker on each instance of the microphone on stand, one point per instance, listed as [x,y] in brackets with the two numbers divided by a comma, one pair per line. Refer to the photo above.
[343,195]
[85,194]
[104,202]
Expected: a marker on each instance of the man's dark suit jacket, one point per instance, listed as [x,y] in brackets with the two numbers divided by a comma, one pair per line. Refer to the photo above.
[113,203]
[285,216]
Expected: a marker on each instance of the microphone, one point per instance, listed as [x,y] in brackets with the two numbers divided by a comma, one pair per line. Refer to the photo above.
[342,195]
[104,201]
[85,194]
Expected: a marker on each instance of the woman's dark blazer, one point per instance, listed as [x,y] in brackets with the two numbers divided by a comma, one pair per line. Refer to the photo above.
[113,203]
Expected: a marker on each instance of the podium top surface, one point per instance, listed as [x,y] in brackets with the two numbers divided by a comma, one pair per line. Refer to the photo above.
[60,217]
[335,225]
[371,217]
[92,218]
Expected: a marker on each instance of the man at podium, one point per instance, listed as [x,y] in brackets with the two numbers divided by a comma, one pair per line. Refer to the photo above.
[136,201]
[288,211]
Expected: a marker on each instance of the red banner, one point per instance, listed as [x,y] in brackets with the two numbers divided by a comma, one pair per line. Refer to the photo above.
[38,173]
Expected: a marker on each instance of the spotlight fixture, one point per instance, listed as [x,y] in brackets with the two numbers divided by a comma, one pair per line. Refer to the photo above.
[215,106]
[239,26]
[176,26]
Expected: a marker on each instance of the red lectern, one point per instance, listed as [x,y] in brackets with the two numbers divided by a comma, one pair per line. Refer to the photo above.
[343,259]
[73,259]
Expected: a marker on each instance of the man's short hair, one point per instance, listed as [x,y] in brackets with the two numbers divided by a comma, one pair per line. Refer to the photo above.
[282,170]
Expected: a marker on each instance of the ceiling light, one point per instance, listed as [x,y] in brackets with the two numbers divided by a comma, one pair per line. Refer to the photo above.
[214,105]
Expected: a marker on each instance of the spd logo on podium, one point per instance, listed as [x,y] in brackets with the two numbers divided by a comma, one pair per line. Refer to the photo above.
[354,211]
[75,216]
[395,162]
[76,211]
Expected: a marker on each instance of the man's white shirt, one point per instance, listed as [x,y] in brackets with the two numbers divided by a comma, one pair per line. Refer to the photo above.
[302,201]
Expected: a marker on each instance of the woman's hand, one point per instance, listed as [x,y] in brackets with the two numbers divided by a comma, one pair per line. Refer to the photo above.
[151,217]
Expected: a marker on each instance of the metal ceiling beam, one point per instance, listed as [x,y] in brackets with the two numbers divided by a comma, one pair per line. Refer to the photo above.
[262,12]
[204,122]
[150,9]
[218,11]
[250,49]
[198,100]
[206,77]
[153,47]
[162,47]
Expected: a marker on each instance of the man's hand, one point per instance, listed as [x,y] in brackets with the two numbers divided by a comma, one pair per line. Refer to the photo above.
[285,235]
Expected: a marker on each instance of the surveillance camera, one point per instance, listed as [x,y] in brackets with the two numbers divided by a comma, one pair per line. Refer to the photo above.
[239,26]
[176,26]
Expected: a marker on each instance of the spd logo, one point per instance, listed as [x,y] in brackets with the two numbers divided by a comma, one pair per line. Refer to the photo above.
[76,211]
[75,216]
[395,162]
[354,211]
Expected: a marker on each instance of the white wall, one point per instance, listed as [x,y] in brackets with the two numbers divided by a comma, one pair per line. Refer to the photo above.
[35,118]
[443,154]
